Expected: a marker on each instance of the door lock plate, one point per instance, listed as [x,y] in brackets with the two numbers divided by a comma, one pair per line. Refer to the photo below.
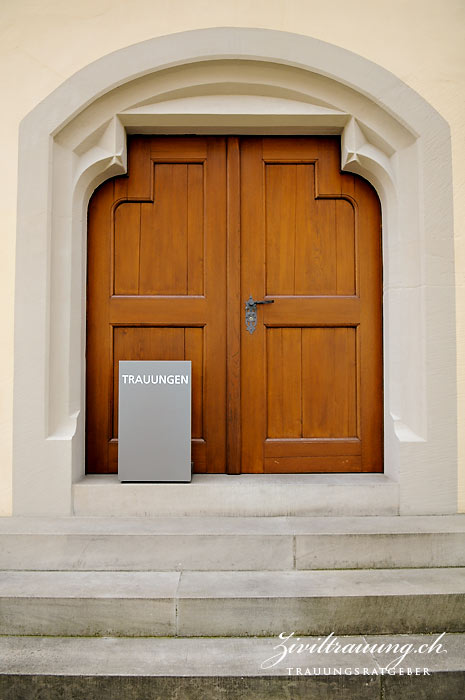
[251,312]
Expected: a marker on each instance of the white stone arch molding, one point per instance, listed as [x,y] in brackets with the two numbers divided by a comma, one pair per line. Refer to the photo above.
[229,80]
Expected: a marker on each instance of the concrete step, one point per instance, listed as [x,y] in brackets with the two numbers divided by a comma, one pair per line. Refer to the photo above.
[233,669]
[240,495]
[227,543]
[233,603]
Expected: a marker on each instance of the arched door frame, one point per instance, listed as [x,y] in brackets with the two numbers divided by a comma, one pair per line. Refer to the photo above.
[230,80]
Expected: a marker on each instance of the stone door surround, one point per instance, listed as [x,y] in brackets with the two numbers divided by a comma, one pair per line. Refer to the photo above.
[233,81]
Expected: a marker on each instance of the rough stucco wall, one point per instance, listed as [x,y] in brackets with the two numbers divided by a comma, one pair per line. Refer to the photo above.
[43,42]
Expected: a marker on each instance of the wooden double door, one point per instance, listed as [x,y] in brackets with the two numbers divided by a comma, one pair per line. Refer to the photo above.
[177,247]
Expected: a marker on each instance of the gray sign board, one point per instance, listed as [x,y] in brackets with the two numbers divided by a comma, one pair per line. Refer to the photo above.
[154,425]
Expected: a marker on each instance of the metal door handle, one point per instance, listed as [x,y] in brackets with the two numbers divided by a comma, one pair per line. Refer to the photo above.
[251,312]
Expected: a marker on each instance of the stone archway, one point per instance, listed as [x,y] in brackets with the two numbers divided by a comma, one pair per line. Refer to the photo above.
[235,81]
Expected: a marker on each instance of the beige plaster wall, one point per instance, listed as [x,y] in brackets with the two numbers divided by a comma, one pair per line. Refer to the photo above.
[43,42]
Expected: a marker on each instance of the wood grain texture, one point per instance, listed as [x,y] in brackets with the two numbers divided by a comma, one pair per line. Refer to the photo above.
[314,447]
[329,375]
[253,282]
[311,382]
[194,351]
[284,382]
[308,465]
[280,204]
[234,315]
[215,295]
[370,345]
[99,333]
[195,228]
[310,243]
[127,248]
[306,231]
[345,247]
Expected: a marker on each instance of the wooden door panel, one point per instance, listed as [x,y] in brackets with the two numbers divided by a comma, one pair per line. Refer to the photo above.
[310,243]
[311,382]
[329,375]
[159,245]
[311,400]
[157,286]
[312,370]
[284,369]
[127,248]
[171,237]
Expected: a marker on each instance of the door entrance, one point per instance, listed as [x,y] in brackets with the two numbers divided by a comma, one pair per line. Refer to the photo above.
[201,225]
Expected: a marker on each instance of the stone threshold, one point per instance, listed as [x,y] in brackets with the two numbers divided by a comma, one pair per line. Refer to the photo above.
[240,495]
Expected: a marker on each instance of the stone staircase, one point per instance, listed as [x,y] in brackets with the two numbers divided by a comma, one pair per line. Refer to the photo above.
[220,590]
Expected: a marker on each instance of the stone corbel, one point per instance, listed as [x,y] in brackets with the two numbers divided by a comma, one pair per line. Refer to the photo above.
[102,155]
[361,157]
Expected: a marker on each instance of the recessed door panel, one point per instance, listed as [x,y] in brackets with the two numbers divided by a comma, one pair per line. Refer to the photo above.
[310,242]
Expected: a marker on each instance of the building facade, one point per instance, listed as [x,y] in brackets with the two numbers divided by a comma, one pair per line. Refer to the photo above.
[395,118]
